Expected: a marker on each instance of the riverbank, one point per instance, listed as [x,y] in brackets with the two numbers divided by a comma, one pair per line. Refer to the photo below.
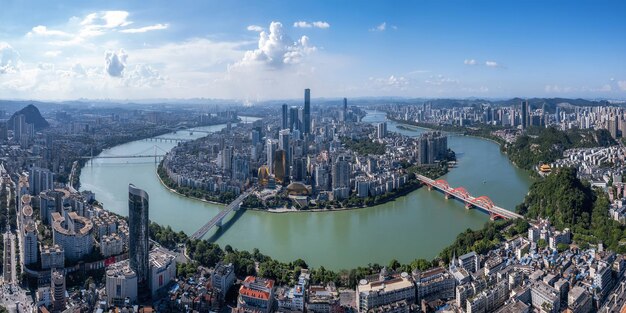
[172,190]
[75,176]
[463,132]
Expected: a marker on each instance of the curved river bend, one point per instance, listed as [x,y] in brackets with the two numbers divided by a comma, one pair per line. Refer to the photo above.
[418,225]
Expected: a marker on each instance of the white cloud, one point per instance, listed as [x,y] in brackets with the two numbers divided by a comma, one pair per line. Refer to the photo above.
[380,28]
[255,28]
[470,62]
[44,31]
[9,59]
[143,76]
[321,24]
[115,62]
[275,49]
[389,83]
[145,29]
[317,24]
[492,64]
[439,80]
[622,85]
[106,19]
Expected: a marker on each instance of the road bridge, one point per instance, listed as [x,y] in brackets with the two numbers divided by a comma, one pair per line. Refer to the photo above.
[483,202]
[217,219]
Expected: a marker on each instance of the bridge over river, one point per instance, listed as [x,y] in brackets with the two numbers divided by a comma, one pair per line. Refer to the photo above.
[483,202]
[217,219]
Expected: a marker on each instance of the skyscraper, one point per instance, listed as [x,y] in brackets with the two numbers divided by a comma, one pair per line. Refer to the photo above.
[345,109]
[284,143]
[272,145]
[525,115]
[285,116]
[294,120]
[306,115]
[138,232]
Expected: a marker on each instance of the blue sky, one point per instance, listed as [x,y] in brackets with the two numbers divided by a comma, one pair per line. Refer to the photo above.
[273,49]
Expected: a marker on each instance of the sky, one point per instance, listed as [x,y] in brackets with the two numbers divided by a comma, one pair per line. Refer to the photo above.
[262,50]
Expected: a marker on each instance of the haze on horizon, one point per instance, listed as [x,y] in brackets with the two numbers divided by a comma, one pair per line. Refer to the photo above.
[66,50]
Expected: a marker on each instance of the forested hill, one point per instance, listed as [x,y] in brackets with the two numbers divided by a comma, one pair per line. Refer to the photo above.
[32,116]
[546,145]
[569,202]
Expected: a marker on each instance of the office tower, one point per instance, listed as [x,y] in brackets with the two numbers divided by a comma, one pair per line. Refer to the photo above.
[280,166]
[57,290]
[272,145]
[345,109]
[138,229]
[381,130]
[294,119]
[306,114]
[285,116]
[284,141]
[341,174]
[299,169]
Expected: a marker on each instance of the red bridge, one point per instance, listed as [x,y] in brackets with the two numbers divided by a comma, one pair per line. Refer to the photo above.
[483,202]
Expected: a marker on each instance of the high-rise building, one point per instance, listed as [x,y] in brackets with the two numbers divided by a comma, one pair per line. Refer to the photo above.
[284,143]
[306,114]
[294,119]
[345,109]
[40,179]
[381,130]
[525,114]
[341,174]
[285,116]
[431,147]
[19,126]
[280,166]
[138,229]
[271,147]
[57,290]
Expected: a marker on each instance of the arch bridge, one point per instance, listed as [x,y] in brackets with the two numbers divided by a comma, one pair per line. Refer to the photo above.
[483,203]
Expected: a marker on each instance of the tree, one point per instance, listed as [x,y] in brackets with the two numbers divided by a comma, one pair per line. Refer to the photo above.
[542,243]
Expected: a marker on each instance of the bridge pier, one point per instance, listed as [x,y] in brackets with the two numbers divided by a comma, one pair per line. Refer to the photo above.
[447,196]
[430,187]
[219,222]
[468,205]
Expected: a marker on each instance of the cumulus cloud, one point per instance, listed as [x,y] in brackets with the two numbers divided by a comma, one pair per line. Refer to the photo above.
[41,30]
[492,64]
[275,49]
[389,83]
[255,28]
[9,59]
[145,28]
[317,24]
[115,62]
[470,62]
[143,76]
[380,28]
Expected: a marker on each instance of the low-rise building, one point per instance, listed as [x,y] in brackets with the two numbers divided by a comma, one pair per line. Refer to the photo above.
[385,291]
[121,283]
[256,295]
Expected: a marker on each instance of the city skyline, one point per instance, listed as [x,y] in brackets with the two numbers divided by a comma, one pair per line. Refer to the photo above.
[255,52]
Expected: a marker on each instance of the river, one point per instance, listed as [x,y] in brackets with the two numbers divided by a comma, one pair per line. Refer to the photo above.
[418,225]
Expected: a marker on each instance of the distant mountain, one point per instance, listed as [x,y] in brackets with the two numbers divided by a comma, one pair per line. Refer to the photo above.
[33,116]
